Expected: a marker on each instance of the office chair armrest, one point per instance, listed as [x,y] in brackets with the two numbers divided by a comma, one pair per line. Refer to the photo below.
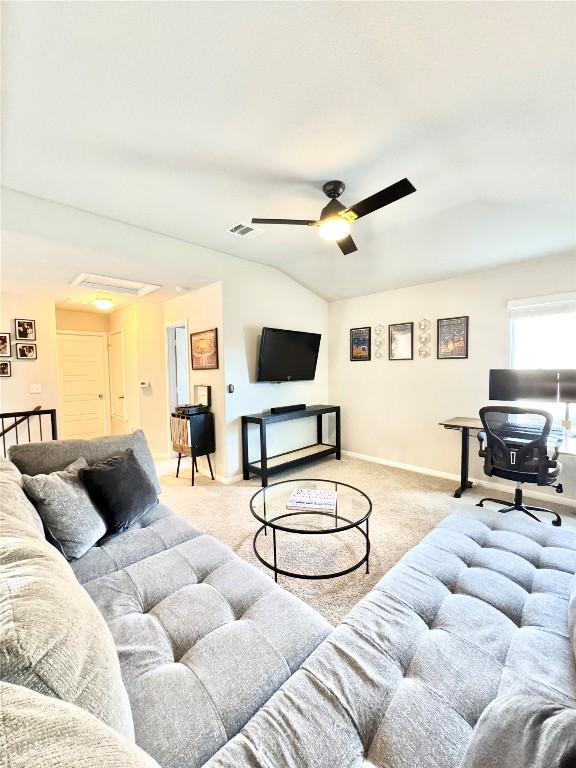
[482,443]
[556,450]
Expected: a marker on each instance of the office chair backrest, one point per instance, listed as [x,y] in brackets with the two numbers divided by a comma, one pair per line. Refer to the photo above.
[516,439]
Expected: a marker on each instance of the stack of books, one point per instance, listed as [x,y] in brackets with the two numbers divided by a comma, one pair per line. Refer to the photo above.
[312,500]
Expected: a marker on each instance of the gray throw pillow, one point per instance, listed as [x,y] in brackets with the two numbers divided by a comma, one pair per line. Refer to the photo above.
[72,522]
[527,731]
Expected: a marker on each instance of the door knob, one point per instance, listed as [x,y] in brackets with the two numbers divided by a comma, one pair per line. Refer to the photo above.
[101,397]
[120,397]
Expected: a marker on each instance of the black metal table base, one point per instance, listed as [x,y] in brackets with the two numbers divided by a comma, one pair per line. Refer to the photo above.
[339,527]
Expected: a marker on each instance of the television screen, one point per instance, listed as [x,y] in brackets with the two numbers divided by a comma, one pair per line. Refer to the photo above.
[518,384]
[287,355]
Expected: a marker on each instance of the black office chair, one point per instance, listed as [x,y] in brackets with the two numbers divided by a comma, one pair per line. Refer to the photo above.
[514,445]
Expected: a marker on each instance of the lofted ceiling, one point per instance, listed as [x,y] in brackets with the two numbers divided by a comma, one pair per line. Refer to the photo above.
[188,117]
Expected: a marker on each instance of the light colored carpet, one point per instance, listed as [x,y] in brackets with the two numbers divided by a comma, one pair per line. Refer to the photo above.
[406,506]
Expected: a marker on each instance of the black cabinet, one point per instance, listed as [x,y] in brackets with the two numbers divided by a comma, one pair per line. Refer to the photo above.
[202,438]
[193,435]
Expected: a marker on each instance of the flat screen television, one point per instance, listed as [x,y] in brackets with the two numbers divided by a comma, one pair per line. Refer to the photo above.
[287,355]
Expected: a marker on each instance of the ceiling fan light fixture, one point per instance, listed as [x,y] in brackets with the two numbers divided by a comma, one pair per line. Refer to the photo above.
[334,228]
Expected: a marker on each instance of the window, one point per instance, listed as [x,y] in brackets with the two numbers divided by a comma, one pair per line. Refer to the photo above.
[543,335]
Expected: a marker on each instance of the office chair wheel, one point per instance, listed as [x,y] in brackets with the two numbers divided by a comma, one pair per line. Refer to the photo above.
[496,501]
[558,488]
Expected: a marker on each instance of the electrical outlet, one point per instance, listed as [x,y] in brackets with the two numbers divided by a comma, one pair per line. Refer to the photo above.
[35,389]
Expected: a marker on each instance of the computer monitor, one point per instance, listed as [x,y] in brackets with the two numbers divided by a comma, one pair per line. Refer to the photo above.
[507,384]
[567,377]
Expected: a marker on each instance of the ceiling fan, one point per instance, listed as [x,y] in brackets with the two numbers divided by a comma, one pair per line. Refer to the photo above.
[335,218]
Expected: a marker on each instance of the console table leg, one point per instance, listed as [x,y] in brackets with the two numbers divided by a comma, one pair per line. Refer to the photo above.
[319,428]
[338,434]
[245,472]
[263,454]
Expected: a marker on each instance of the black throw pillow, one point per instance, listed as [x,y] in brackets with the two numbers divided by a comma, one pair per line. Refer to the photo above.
[120,489]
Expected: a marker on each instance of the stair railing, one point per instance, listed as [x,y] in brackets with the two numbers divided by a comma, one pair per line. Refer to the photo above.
[25,417]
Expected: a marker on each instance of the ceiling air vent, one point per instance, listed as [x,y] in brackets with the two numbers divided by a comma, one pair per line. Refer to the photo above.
[113,285]
[244,230]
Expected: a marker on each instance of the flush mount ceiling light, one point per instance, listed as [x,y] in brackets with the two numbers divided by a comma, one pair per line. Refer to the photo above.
[103,304]
[335,218]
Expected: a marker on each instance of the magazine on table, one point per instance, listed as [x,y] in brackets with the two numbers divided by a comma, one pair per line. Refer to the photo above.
[312,500]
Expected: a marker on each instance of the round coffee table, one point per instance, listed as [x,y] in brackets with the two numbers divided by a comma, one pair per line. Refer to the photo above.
[353,509]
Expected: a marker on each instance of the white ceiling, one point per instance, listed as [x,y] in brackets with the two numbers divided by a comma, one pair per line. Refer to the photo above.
[188,117]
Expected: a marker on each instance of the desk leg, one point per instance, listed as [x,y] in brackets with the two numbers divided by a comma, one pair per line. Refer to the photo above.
[464,482]
[245,471]
[263,454]
[338,434]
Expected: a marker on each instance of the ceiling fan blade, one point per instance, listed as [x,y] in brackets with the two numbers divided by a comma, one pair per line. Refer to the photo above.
[303,222]
[347,245]
[386,196]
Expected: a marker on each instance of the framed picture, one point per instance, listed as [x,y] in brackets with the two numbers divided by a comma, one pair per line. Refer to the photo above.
[401,341]
[26,351]
[25,330]
[204,346]
[452,339]
[360,344]
[5,368]
[5,345]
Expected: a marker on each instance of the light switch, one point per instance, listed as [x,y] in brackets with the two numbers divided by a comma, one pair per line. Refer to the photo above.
[35,389]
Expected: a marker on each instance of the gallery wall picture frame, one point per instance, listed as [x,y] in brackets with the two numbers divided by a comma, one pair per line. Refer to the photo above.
[25,330]
[25,351]
[5,368]
[361,344]
[401,341]
[452,338]
[204,350]
[5,345]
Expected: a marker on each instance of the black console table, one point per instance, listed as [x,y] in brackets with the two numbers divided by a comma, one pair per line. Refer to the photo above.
[269,464]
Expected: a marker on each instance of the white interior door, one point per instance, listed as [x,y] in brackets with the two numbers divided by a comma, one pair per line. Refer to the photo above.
[83,385]
[117,367]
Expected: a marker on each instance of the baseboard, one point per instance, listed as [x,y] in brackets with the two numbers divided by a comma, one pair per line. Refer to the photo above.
[560,499]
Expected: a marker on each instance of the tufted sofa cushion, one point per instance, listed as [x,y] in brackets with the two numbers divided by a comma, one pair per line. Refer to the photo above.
[39,731]
[478,610]
[204,639]
[157,530]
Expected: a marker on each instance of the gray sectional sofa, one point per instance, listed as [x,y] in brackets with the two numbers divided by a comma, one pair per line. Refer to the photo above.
[215,665]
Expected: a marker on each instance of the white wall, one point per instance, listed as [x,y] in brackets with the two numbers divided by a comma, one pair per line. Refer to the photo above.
[391,409]
[257,296]
[202,310]
[15,391]
[252,296]
[72,320]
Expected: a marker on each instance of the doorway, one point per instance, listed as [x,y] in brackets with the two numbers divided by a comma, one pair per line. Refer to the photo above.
[82,384]
[178,364]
